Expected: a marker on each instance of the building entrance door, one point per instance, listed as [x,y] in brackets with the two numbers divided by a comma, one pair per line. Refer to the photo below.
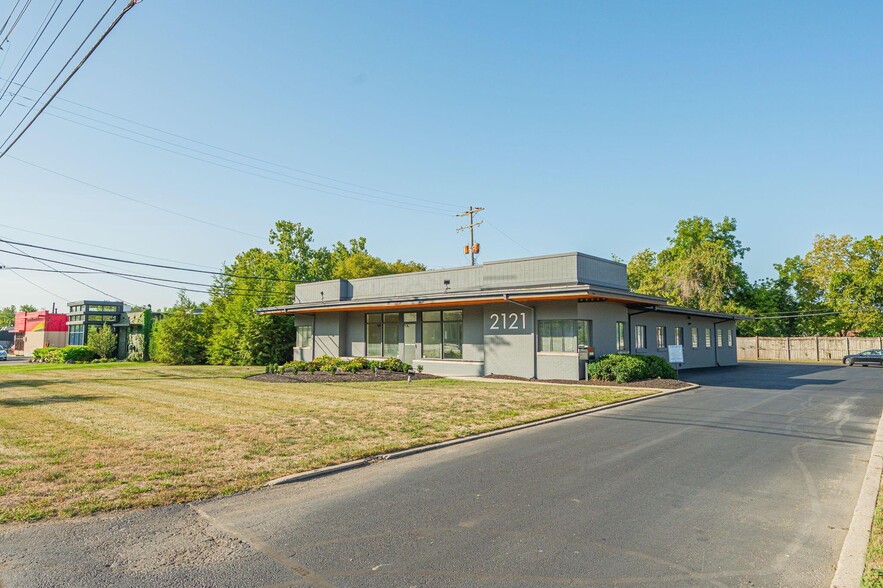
[410,351]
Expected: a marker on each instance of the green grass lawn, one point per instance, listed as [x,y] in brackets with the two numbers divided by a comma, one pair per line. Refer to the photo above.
[873,576]
[78,439]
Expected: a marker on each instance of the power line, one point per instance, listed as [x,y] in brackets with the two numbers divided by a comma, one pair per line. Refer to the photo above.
[53,9]
[5,148]
[144,263]
[34,284]
[41,262]
[471,226]
[116,249]
[42,57]
[17,19]
[132,199]
[499,230]
[231,152]
[91,270]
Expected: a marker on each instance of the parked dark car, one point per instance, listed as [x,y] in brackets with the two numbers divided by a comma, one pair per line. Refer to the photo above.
[869,357]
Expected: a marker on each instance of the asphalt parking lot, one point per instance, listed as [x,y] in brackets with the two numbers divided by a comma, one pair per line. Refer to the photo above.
[750,480]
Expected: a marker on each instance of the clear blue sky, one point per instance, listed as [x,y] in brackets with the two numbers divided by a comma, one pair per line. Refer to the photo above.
[579,126]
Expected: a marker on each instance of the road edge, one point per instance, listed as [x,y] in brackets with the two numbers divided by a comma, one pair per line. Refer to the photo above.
[360,463]
[851,565]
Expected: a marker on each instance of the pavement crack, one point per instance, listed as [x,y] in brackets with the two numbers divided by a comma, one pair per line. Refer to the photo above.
[261,546]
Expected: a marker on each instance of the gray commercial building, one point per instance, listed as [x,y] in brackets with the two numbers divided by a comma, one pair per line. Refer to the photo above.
[538,317]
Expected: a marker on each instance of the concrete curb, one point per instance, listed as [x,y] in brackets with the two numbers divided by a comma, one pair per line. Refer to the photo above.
[351,465]
[851,565]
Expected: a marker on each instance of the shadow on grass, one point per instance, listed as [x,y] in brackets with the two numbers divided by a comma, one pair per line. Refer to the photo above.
[51,399]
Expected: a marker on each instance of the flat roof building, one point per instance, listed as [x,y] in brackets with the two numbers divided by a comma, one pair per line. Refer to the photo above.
[537,317]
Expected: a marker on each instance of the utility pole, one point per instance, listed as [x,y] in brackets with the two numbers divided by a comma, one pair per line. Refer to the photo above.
[473,247]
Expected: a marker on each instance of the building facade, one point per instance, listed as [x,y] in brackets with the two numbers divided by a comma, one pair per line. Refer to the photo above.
[539,317]
[35,330]
[87,316]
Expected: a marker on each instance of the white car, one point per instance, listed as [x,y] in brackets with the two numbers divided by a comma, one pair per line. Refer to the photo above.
[2,354]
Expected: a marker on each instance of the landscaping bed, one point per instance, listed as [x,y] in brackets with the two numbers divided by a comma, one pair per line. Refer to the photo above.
[661,383]
[340,376]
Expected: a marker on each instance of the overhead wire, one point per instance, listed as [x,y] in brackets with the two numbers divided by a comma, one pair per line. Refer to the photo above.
[133,199]
[34,284]
[41,262]
[116,249]
[232,152]
[93,270]
[10,142]
[143,263]
[17,20]
[53,10]
[42,57]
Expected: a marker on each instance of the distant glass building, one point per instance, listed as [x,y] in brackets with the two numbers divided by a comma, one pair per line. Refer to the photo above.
[87,316]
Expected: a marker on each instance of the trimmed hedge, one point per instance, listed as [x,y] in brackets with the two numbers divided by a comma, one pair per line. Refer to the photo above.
[69,354]
[326,363]
[630,368]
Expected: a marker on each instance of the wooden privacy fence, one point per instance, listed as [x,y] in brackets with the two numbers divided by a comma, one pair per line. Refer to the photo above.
[804,348]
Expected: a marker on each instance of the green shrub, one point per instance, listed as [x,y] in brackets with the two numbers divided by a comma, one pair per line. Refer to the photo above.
[394,364]
[295,366]
[658,367]
[629,368]
[71,353]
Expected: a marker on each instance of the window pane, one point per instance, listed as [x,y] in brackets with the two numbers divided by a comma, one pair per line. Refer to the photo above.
[410,317]
[729,337]
[640,337]
[432,316]
[372,318]
[391,337]
[679,335]
[545,329]
[584,334]
[391,317]
[452,315]
[694,335]
[620,336]
[720,338]
[569,336]
[453,340]
[431,340]
[374,337]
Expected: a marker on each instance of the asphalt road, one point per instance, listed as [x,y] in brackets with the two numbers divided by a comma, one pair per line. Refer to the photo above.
[748,481]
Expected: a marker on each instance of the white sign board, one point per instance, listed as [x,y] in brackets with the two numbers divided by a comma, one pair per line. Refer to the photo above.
[675,354]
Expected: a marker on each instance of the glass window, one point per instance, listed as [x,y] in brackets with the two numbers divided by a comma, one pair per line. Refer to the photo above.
[564,335]
[374,335]
[708,338]
[453,338]
[640,337]
[679,335]
[391,335]
[584,338]
[409,317]
[620,336]
[694,337]
[443,334]
[720,338]
[660,337]
[303,336]
[431,339]
[729,337]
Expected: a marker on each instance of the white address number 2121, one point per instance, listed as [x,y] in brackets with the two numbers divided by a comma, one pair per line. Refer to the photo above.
[508,322]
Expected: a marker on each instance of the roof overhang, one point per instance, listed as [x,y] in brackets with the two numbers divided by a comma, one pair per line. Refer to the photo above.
[579,293]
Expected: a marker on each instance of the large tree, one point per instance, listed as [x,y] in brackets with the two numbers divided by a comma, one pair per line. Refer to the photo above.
[259,278]
[847,273]
[181,336]
[701,267]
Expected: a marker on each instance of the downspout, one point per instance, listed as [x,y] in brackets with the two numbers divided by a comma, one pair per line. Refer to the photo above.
[716,362]
[533,321]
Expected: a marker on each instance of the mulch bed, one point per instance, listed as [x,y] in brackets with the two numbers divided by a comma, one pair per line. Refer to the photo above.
[359,376]
[654,383]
